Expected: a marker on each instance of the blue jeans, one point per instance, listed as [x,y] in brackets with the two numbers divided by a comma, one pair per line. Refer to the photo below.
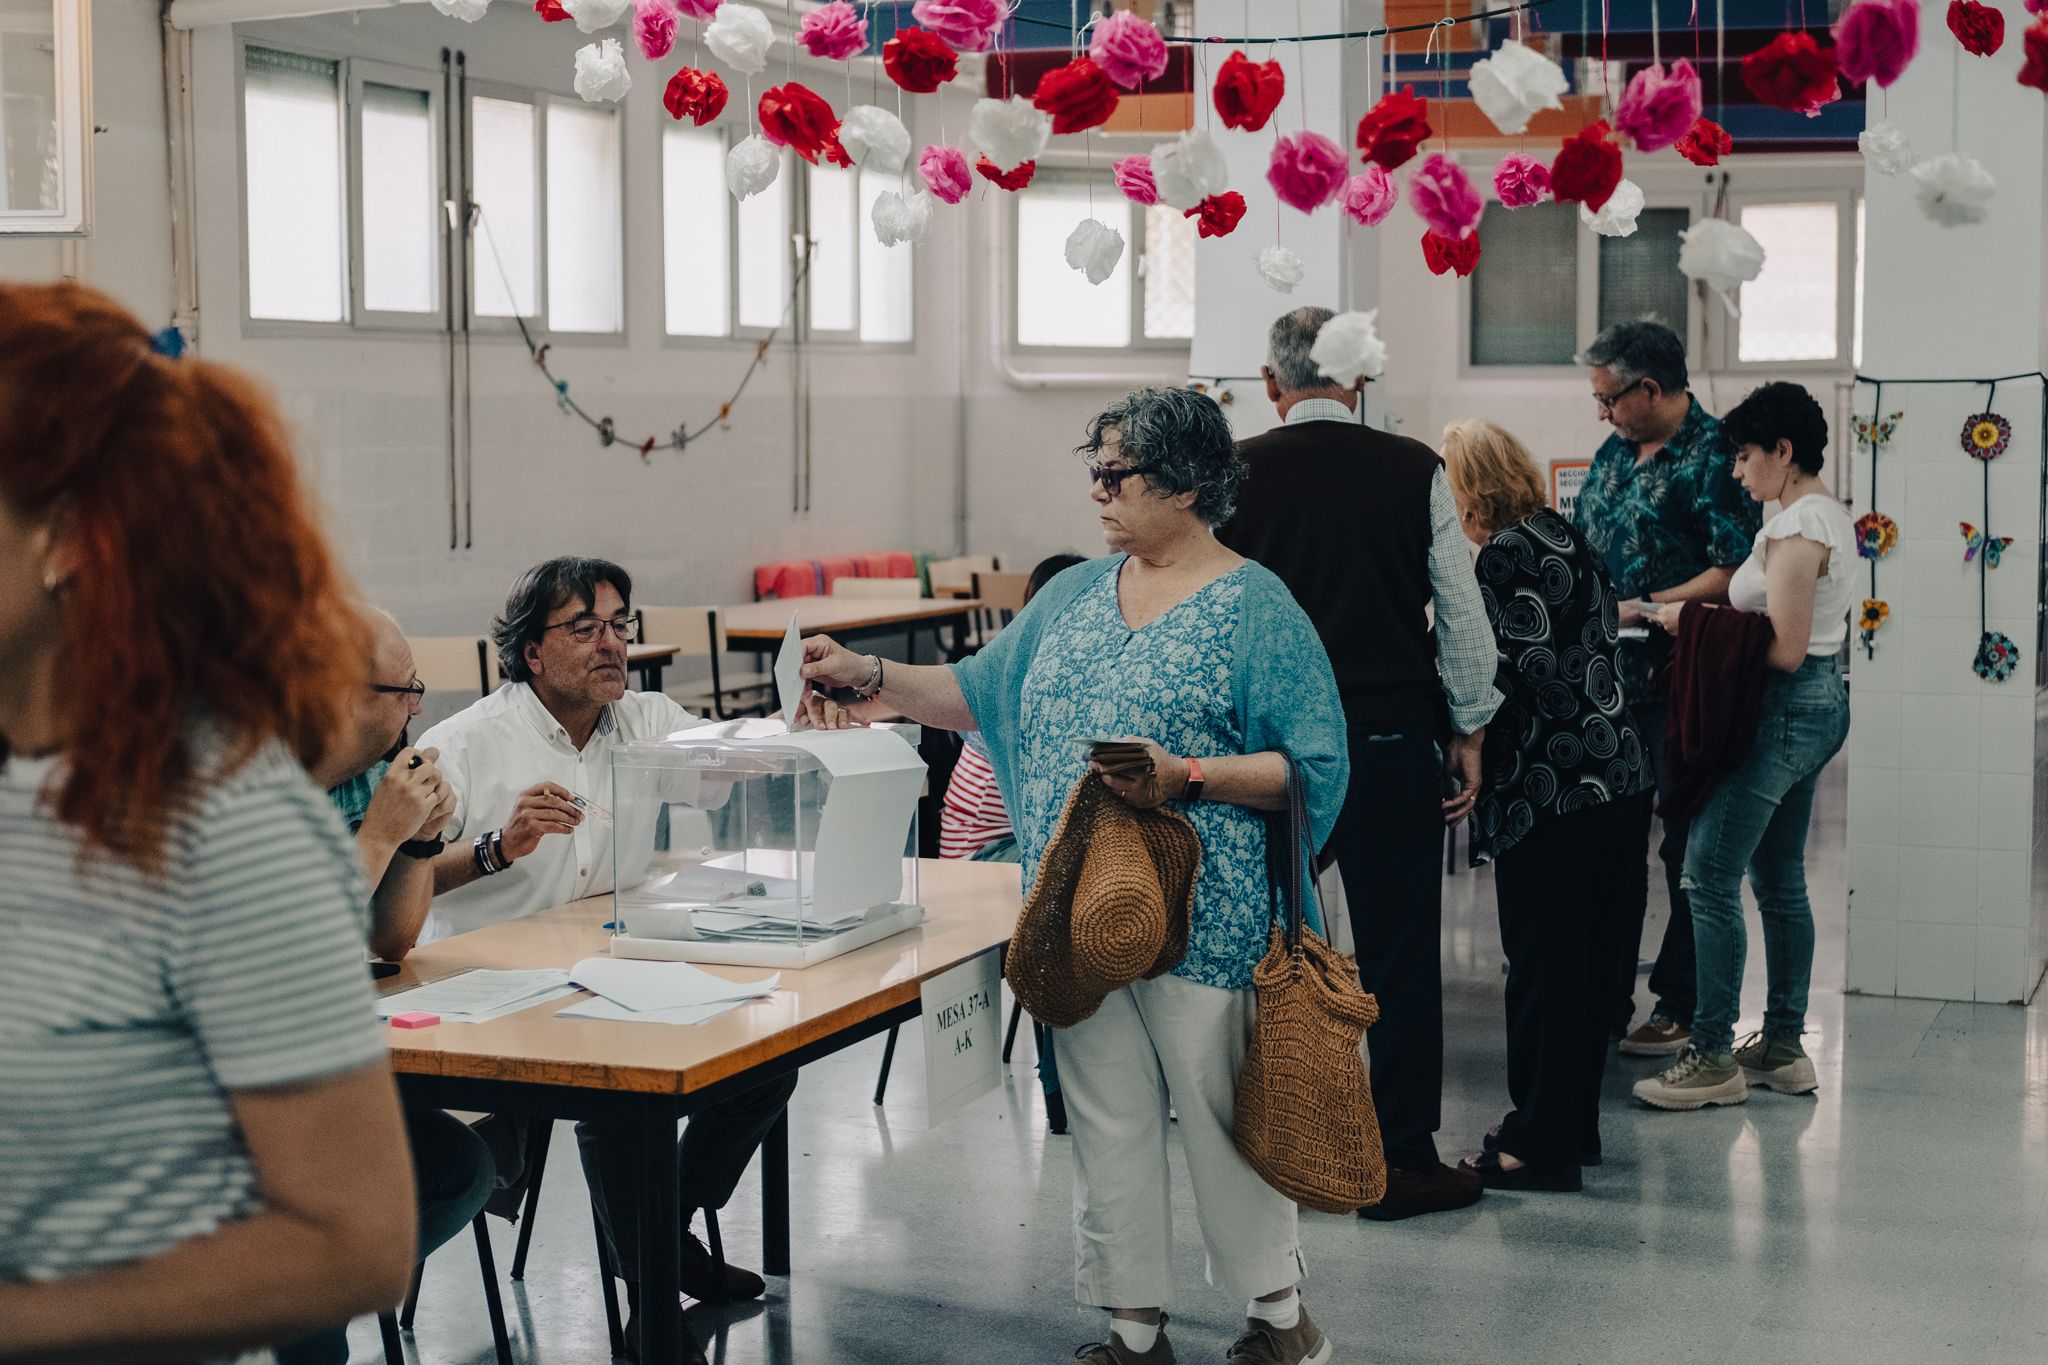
[1756,819]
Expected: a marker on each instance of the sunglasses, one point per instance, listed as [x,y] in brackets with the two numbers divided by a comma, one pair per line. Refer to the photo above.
[1112,477]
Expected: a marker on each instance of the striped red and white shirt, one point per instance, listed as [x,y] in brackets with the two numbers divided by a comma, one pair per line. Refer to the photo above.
[972,815]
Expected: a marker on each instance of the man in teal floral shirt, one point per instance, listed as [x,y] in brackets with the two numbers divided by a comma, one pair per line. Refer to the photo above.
[1661,508]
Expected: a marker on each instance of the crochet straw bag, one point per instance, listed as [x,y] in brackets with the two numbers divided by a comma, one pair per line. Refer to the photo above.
[1305,1119]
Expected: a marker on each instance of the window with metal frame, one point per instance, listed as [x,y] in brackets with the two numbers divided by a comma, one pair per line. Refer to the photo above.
[1146,303]
[294,190]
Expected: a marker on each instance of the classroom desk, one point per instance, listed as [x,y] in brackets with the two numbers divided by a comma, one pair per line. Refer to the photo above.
[758,626]
[655,1074]
[648,660]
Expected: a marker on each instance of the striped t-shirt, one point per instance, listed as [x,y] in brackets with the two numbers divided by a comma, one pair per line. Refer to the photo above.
[128,1009]
[972,816]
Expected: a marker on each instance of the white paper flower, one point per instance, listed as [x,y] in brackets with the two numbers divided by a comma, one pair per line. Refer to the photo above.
[1721,256]
[601,71]
[1348,348]
[751,166]
[1954,190]
[1009,132]
[1885,148]
[897,219]
[592,15]
[873,136]
[1188,170]
[468,11]
[1280,268]
[740,37]
[1516,82]
[1094,248]
[1617,217]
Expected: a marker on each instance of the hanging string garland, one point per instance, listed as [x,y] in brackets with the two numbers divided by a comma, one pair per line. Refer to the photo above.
[1876,534]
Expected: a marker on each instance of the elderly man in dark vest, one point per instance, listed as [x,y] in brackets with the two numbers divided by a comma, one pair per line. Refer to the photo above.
[1361,526]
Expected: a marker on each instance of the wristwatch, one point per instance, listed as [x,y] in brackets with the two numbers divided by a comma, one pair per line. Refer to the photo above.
[423,848]
[1193,790]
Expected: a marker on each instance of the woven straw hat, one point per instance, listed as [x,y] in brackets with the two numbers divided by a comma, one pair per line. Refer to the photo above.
[1110,905]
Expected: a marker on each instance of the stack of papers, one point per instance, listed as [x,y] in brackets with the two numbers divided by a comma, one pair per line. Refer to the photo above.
[474,996]
[630,991]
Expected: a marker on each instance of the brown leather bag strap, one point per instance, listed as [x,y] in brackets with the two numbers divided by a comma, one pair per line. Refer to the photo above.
[1287,858]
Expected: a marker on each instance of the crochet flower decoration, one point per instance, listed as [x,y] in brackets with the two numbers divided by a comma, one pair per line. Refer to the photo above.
[1587,168]
[1520,181]
[1443,253]
[1874,614]
[1247,92]
[1877,535]
[1997,657]
[919,62]
[2034,43]
[1134,177]
[1874,39]
[797,117]
[1016,178]
[1954,190]
[592,15]
[1442,195]
[1720,255]
[1008,132]
[740,36]
[1306,170]
[898,219]
[835,31]
[601,71]
[1369,197]
[1129,49]
[945,172]
[1792,72]
[468,11]
[1094,248]
[1979,28]
[1617,217]
[1660,105]
[751,166]
[1705,143]
[1885,148]
[654,27]
[1280,268]
[1515,84]
[1188,170]
[968,25]
[872,136]
[1348,348]
[1392,129]
[1218,215]
[1986,435]
[1078,96]
[699,96]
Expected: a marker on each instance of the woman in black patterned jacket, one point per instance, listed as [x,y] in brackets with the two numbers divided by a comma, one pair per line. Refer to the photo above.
[1563,767]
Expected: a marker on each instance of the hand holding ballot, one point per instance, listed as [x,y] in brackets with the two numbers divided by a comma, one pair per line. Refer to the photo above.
[542,809]
[828,664]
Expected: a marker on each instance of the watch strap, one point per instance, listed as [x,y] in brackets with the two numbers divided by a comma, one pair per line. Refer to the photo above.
[1193,790]
[423,848]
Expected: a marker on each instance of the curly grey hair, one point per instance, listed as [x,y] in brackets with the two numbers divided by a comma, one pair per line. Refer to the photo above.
[1182,441]
[1288,342]
[1640,350]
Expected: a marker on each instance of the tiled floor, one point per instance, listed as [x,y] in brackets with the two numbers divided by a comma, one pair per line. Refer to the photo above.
[1897,1216]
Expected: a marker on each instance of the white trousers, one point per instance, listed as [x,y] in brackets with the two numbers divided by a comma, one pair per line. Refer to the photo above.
[1155,1043]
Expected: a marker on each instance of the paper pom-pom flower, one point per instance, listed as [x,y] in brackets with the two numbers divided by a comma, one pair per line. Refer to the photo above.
[551,11]
[1521,181]
[1986,435]
[699,96]
[945,172]
[1008,132]
[1792,72]
[1877,535]
[1954,190]
[468,11]
[1393,128]
[834,32]
[592,15]
[1369,196]
[1306,170]
[1874,39]
[654,27]
[1078,96]
[2034,43]
[1617,217]
[1587,169]
[1442,195]
[1129,49]
[1280,268]
[1134,177]
[1094,248]
[740,37]
[874,137]
[1348,348]
[1016,178]
[1885,148]
[1188,170]
[1660,105]
[1997,657]
[967,25]
[1247,92]
[1705,143]
[1218,215]
[601,71]
[751,166]
[697,9]
[1979,28]
[1515,84]
[918,61]
[797,117]
[897,219]
[1459,255]
[1720,255]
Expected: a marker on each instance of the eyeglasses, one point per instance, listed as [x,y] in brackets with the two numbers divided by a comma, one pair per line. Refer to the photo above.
[584,629]
[415,689]
[1112,477]
[1607,401]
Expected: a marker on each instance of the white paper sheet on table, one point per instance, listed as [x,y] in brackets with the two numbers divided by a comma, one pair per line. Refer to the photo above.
[475,995]
[641,986]
[613,1012]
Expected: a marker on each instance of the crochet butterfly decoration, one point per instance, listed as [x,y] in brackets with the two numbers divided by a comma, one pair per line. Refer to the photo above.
[1872,432]
[1975,540]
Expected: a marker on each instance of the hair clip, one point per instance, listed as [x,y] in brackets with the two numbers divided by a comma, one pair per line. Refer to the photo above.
[169,343]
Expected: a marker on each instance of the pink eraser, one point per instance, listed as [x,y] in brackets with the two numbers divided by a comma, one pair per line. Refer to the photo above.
[415,1019]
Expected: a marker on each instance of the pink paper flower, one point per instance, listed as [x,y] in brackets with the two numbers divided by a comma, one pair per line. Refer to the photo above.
[1134,177]
[965,25]
[1521,181]
[1370,197]
[834,32]
[1129,49]
[1660,105]
[697,9]
[1442,194]
[654,27]
[1306,171]
[1874,39]
[946,173]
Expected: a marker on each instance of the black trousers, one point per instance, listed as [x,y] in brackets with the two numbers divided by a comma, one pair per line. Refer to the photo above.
[1561,893]
[1388,844]
[1671,979]
[716,1145]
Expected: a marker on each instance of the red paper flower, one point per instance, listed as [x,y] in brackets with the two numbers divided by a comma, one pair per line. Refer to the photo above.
[1792,72]
[1445,253]
[1587,169]
[1014,179]
[1392,129]
[1218,215]
[837,155]
[1247,92]
[797,117]
[699,96]
[2035,70]
[918,61]
[1077,95]
[550,11]
[1706,143]
[1979,28]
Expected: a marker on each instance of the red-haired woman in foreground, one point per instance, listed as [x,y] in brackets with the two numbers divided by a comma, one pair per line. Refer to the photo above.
[200,1144]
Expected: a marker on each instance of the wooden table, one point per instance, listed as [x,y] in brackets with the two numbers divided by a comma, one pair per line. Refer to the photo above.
[759,626]
[648,660]
[653,1075]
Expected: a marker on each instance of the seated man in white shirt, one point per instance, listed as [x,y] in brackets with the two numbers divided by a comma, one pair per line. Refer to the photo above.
[519,843]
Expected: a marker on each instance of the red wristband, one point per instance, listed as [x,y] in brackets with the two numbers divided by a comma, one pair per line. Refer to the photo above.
[1193,790]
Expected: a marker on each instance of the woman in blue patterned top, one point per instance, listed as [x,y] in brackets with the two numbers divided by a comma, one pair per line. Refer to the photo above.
[1204,656]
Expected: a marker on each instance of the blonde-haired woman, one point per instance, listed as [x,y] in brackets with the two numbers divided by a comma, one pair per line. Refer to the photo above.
[1563,767]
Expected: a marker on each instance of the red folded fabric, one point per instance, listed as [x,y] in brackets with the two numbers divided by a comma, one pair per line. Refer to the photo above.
[787,578]
[1715,687]
[830,571]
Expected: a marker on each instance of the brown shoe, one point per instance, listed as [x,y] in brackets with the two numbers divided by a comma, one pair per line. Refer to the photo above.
[1113,1351]
[1265,1344]
[701,1280]
[1661,1037]
[1414,1192]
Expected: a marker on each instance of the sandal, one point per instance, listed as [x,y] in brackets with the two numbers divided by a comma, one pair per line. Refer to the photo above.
[1560,1179]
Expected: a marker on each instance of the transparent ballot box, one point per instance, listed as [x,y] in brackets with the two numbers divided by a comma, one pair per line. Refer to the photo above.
[780,851]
